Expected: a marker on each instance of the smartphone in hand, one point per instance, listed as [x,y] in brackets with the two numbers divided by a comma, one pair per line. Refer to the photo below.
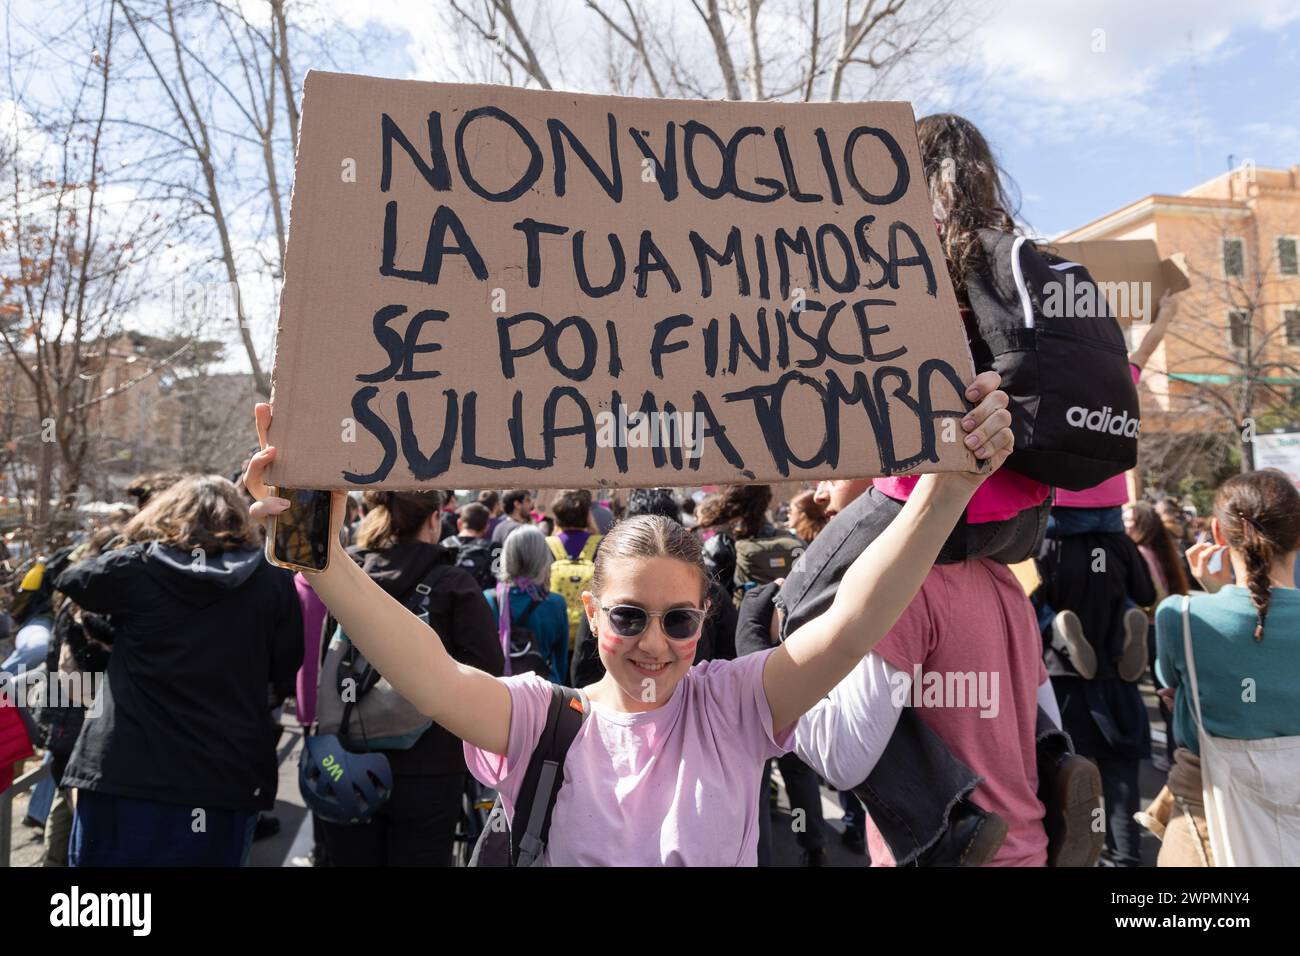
[299,537]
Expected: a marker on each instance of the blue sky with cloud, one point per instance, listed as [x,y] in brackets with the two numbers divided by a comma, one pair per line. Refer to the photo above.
[1179,87]
[1175,89]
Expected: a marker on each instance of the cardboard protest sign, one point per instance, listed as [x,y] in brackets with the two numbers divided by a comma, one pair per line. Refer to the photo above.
[494,287]
[1174,272]
[1129,273]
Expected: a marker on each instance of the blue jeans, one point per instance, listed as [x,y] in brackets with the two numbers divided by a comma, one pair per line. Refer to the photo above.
[855,817]
[1063,522]
[38,808]
[121,831]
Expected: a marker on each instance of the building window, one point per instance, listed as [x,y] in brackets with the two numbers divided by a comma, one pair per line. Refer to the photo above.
[1291,319]
[1239,328]
[1234,257]
[1287,263]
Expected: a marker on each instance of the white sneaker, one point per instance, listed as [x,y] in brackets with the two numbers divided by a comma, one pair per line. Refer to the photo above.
[1068,640]
[1133,662]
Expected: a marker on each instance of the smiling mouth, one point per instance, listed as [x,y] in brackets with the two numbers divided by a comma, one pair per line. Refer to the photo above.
[649,668]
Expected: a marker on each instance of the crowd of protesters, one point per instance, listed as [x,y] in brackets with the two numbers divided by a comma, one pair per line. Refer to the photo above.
[198,655]
[709,638]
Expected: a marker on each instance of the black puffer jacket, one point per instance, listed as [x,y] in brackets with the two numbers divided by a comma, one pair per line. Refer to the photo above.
[185,717]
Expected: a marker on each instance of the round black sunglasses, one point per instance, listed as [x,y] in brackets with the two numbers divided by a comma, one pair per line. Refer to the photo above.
[679,623]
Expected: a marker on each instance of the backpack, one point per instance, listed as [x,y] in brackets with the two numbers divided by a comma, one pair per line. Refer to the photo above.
[474,556]
[71,654]
[1042,323]
[763,559]
[519,644]
[500,844]
[571,576]
[348,687]
[720,561]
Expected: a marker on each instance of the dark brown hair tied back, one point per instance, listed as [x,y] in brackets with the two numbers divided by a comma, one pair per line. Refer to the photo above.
[647,536]
[395,517]
[1259,516]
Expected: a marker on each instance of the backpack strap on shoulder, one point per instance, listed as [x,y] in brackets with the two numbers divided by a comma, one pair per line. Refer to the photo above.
[1022,290]
[423,587]
[545,775]
[589,548]
[522,620]
[557,548]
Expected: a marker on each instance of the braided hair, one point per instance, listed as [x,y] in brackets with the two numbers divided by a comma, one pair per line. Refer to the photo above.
[1259,516]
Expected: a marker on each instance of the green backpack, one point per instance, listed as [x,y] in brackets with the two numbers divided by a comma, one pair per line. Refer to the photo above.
[762,560]
[571,576]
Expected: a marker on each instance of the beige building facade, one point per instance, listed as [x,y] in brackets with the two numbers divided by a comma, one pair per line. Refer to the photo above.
[1240,320]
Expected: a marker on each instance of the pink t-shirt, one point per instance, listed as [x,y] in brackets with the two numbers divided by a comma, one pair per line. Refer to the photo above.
[1110,493]
[972,633]
[676,786]
[1003,496]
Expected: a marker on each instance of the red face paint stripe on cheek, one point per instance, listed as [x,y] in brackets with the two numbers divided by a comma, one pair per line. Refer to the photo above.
[611,645]
[686,649]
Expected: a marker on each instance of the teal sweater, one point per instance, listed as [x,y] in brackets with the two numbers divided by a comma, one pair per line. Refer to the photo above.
[1249,690]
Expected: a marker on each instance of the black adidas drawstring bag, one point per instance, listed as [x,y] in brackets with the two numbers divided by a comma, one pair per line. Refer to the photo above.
[1044,325]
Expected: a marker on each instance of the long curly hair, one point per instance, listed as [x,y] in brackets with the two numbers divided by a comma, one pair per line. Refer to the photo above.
[741,509]
[967,190]
[199,511]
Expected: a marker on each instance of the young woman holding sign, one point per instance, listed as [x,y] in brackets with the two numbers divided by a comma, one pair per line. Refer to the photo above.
[665,770]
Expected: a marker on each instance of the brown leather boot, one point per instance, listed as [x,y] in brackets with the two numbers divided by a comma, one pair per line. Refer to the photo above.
[1075,834]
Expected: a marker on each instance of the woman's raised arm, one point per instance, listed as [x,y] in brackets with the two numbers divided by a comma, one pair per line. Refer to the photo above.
[467,702]
[883,579]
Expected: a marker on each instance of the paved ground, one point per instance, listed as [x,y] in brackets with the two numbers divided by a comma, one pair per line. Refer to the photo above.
[26,848]
[293,842]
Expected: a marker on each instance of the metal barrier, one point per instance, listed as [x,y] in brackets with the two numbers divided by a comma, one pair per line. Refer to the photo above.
[18,687]
[24,783]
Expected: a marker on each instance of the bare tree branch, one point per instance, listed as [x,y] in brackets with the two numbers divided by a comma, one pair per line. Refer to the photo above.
[634,39]
[524,56]
[718,35]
